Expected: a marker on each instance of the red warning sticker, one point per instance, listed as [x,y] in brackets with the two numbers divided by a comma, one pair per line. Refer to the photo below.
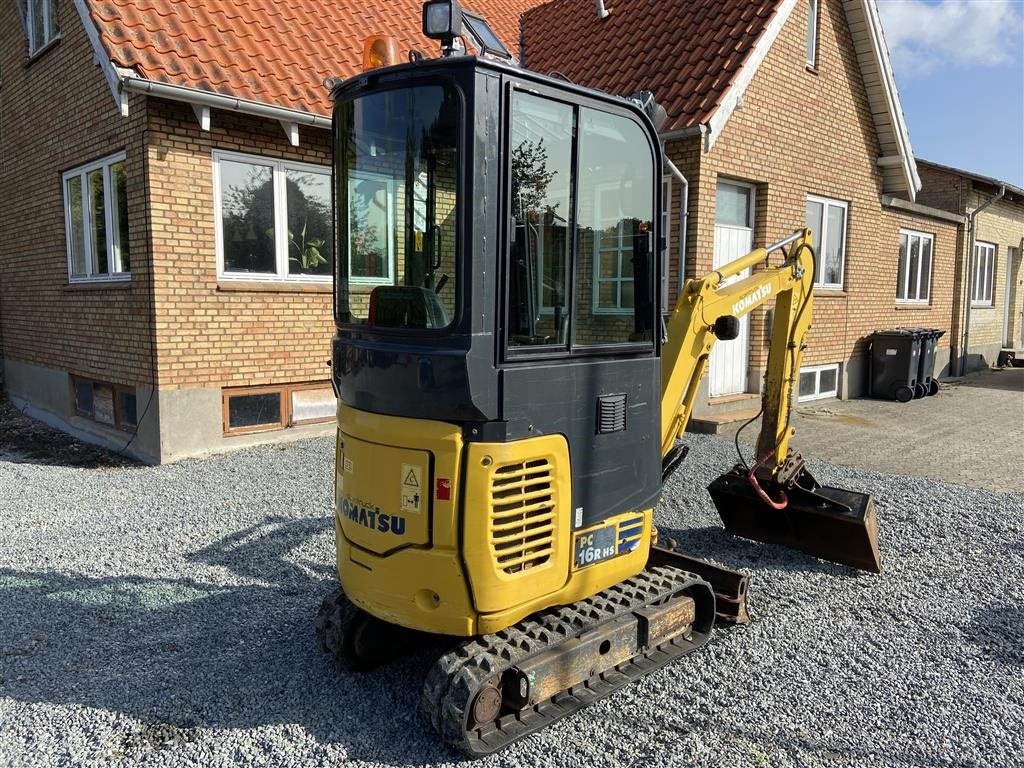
[444,489]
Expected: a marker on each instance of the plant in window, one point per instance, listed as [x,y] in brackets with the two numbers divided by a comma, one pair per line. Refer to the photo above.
[309,250]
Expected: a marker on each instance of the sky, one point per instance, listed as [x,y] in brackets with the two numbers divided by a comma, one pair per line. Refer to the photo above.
[959,67]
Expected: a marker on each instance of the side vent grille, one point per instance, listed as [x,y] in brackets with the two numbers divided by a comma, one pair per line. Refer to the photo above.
[611,413]
[522,515]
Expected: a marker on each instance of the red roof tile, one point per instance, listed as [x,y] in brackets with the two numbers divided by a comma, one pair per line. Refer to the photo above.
[272,51]
[687,52]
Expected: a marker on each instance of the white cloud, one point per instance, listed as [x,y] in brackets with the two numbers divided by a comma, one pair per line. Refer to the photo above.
[971,33]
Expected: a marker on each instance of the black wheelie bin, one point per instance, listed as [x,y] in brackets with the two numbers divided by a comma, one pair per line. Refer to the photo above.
[895,363]
[926,372]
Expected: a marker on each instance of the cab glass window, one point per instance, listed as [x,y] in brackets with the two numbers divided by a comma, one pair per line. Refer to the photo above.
[581,260]
[397,200]
[615,212]
[541,159]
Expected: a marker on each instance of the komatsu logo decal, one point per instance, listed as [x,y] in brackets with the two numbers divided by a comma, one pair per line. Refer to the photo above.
[751,299]
[372,518]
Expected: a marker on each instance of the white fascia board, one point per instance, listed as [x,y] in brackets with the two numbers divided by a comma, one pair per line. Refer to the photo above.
[892,96]
[101,57]
[734,96]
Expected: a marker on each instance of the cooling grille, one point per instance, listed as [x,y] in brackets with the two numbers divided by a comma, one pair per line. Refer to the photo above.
[522,515]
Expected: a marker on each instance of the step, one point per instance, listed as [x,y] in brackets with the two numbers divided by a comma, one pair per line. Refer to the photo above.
[716,424]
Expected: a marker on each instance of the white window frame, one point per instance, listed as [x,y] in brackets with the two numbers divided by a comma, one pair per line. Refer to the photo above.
[392,257]
[818,393]
[822,237]
[50,30]
[924,281]
[983,289]
[114,272]
[596,308]
[279,170]
[813,13]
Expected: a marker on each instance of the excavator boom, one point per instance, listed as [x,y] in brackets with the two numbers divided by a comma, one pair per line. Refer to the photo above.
[776,500]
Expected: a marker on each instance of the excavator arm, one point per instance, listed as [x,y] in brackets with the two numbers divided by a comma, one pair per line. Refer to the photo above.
[774,500]
[710,309]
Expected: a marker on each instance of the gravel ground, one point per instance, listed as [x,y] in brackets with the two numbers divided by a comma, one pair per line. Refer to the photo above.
[163,617]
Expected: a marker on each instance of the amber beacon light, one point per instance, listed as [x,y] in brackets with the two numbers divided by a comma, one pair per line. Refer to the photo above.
[380,51]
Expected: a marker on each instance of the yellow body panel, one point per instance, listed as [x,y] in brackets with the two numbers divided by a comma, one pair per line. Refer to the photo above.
[518,500]
[499,548]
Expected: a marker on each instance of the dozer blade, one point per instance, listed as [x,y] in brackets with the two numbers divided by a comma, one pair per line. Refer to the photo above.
[828,523]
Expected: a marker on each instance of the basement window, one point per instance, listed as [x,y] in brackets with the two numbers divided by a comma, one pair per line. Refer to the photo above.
[96,221]
[113,405]
[262,409]
[819,382]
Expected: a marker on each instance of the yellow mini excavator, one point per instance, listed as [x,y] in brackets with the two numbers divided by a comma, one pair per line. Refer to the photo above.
[512,397]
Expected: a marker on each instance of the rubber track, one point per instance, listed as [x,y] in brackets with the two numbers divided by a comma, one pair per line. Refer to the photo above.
[455,679]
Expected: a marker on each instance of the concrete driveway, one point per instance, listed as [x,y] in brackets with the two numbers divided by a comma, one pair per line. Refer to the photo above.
[971,432]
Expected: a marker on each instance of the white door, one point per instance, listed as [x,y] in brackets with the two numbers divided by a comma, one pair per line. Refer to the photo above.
[1013,265]
[734,237]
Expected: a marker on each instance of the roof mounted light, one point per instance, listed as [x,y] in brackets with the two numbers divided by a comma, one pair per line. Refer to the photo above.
[442,20]
[380,51]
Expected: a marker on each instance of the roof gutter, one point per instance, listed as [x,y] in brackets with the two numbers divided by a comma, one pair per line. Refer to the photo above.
[684,208]
[972,219]
[134,84]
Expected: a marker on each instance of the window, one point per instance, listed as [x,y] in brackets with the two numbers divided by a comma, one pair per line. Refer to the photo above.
[371,210]
[397,207]
[40,17]
[983,274]
[583,211]
[96,221]
[614,219]
[273,219]
[542,156]
[733,205]
[827,221]
[613,253]
[819,382]
[111,404]
[812,33]
[914,272]
[259,409]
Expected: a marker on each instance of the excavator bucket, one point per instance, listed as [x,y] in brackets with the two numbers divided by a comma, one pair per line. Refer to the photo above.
[828,523]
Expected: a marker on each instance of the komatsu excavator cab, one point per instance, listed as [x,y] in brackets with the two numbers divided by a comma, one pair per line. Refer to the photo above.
[498,310]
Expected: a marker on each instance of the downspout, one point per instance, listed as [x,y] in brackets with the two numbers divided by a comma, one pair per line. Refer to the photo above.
[972,237]
[684,212]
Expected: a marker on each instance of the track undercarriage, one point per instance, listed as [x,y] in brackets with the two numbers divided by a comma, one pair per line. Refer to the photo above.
[492,690]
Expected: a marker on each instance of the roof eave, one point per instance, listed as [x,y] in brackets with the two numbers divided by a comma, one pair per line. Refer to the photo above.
[892,97]
[196,96]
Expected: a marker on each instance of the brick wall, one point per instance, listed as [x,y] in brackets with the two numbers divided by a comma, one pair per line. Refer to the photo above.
[800,133]
[225,333]
[57,113]
[1001,224]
